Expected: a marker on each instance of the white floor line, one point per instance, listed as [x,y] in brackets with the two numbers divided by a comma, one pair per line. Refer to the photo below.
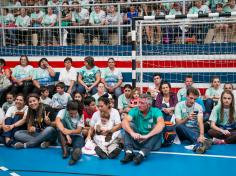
[14,174]
[3,168]
[193,154]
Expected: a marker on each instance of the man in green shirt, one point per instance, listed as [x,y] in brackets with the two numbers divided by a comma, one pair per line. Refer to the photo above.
[143,130]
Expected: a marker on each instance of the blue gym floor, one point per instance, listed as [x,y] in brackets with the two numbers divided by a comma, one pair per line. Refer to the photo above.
[175,160]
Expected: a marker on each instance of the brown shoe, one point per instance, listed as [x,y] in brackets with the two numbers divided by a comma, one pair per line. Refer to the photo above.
[45,144]
[75,156]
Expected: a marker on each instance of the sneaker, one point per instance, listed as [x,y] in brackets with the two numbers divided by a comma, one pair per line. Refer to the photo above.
[114,153]
[75,156]
[199,148]
[128,157]
[45,144]
[218,141]
[19,145]
[208,143]
[138,158]
[100,153]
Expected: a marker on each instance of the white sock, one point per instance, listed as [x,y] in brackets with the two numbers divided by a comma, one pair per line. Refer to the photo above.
[128,151]
[141,152]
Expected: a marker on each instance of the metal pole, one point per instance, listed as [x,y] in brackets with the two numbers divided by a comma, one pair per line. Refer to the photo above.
[133,34]
[3,29]
[59,23]
[141,55]
[119,28]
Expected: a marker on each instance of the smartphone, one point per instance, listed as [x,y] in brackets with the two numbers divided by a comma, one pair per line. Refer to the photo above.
[195,113]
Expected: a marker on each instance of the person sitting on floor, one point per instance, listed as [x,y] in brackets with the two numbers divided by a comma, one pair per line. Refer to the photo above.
[107,142]
[40,122]
[112,150]
[14,120]
[89,109]
[10,101]
[143,130]
[223,120]
[189,120]
[70,122]
[61,98]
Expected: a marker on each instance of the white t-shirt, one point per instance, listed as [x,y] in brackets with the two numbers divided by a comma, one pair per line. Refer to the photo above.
[12,111]
[114,117]
[81,16]
[2,114]
[67,76]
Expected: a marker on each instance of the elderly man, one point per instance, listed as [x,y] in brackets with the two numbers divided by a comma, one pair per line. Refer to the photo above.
[143,130]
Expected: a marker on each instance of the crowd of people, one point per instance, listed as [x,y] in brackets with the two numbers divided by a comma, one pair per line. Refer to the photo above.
[91,108]
[78,13]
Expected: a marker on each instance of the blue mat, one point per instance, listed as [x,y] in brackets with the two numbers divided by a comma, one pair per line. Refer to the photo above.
[174,160]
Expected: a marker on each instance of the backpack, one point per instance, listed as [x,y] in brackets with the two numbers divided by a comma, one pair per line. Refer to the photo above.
[169,134]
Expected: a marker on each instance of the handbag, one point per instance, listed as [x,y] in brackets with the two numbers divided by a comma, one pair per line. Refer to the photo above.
[4,82]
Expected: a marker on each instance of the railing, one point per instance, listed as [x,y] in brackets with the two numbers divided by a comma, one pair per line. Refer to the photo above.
[10,33]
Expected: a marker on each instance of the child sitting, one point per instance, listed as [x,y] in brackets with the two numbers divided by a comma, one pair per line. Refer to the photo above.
[89,108]
[107,142]
[77,96]
[134,98]
[44,96]
[61,98]
[10,101]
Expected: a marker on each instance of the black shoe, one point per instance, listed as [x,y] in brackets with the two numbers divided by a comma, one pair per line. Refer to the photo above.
[100,153]
[114,153]
[11,143]
[138,158]
[128,157]
[75,156]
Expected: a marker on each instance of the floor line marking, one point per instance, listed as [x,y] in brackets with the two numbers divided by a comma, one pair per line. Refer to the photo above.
[14,174]
[193,154]
[3,168]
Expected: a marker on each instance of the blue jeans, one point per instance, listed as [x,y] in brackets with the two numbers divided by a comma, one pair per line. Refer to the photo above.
[187,133]
[35,139]
[153,143]
[73,88]
[77,141]
[10,121]
[82,90]
[209,104]
[1,138]
[117,92]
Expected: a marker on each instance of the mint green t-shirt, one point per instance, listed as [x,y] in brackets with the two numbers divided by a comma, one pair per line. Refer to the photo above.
[20,72]
[182,111]
[213,92]
[123,102]
[215,116]
[145,124]
[89,76]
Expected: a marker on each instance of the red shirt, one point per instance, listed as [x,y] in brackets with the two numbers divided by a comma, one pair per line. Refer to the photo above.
[87,117]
